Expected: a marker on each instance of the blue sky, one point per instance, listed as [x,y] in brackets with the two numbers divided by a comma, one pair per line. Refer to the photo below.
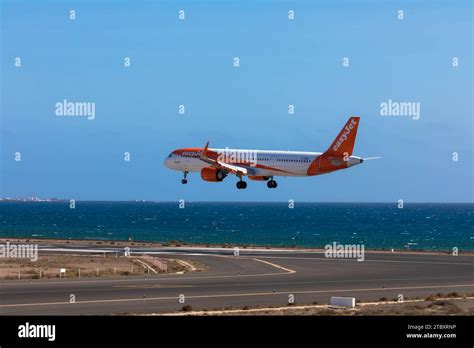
[190,62]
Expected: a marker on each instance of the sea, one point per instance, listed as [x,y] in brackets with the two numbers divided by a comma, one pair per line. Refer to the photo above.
[376,225]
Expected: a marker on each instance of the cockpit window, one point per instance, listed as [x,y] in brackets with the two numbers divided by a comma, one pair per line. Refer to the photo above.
[171,154]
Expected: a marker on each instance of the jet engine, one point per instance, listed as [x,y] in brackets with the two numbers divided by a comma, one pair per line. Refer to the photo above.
[212,174]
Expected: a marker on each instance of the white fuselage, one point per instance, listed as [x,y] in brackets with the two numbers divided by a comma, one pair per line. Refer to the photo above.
[262,162]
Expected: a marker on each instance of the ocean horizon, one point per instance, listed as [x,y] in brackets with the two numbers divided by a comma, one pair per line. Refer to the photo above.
[417,226]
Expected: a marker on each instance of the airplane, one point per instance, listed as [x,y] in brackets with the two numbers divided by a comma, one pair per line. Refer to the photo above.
[263,165]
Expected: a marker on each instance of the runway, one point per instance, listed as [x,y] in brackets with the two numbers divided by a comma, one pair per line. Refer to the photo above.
[254,278]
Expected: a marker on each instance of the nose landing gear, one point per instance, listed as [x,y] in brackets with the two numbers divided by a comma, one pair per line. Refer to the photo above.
[184,180]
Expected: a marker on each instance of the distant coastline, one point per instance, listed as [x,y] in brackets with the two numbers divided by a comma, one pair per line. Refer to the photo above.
[38,199]
[67,200]
[31,199]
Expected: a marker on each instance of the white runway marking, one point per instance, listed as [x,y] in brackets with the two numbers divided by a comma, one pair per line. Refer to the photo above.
[355,260]
[290,271]
[196,286]
[186,264]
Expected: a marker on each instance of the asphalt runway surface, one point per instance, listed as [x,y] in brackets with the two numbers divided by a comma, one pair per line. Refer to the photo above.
[254,278]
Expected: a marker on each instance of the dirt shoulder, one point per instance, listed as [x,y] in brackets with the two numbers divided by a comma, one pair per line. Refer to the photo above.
[438,306]
[49,265]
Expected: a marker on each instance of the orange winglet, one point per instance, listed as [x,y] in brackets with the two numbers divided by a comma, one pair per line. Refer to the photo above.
[204,151]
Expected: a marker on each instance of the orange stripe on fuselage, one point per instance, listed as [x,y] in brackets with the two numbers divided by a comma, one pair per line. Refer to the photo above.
[194,152]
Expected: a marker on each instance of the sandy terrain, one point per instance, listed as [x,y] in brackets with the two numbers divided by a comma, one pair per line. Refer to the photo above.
[432,305]
[49,265]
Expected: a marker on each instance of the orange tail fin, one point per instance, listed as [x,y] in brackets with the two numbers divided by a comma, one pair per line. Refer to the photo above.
[344,142]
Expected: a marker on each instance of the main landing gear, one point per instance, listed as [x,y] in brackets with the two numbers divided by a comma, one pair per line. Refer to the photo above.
[241,184]
[272,183]
[184,180]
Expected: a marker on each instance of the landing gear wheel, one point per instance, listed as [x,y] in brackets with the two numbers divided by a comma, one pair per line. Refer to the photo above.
[241,185]
[184,180]
[272,184]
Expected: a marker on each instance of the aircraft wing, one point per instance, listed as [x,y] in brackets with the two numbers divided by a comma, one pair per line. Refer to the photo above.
[230,168]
